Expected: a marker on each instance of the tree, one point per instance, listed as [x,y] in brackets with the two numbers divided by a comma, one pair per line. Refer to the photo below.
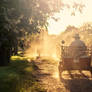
[19,18]
[87,27]
[71,28]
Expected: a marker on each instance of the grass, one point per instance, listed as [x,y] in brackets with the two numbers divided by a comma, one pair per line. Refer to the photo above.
[19,76]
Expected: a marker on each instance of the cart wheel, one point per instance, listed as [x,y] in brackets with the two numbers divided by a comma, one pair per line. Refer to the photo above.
[60,68]
[91,71]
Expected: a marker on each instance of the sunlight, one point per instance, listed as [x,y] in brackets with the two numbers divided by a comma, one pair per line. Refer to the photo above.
[56,75]
[45,46]
[64,18]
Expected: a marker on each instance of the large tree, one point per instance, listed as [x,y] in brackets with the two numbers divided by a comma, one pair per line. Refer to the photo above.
[18,18]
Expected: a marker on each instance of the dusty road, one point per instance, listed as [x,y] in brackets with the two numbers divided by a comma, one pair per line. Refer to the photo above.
[72,82]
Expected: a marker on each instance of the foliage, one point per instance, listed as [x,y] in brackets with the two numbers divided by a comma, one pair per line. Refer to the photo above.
[19,18]
[70,28]
[85,32]
[19,76]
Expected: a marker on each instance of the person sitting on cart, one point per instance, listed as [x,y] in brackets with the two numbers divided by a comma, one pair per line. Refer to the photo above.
[77,47]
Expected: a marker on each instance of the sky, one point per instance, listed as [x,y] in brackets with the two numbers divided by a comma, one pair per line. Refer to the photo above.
[65,18]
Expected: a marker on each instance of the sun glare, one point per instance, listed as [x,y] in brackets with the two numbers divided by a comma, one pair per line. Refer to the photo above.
[64,18]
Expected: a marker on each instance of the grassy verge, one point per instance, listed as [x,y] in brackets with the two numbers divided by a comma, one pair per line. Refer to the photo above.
[19,76]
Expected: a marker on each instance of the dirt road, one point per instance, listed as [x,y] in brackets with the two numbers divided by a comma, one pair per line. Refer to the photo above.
[72,82]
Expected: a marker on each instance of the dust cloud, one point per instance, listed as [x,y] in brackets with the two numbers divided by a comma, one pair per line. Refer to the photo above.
[44,45]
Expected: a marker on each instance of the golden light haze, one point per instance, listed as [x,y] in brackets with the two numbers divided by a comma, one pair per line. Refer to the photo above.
[65,18]
[49,45]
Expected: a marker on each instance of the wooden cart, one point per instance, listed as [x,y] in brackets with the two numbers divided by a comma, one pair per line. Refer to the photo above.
[70,62]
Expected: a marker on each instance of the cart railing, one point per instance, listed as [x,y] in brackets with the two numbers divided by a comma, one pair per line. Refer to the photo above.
[69,51]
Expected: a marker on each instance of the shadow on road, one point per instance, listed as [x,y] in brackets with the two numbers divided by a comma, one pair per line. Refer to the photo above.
[77,84]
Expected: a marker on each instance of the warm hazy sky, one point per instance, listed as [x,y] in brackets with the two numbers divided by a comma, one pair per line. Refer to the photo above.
[66,19]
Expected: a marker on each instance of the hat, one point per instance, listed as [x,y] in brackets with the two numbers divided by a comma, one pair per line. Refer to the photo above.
[77,36]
